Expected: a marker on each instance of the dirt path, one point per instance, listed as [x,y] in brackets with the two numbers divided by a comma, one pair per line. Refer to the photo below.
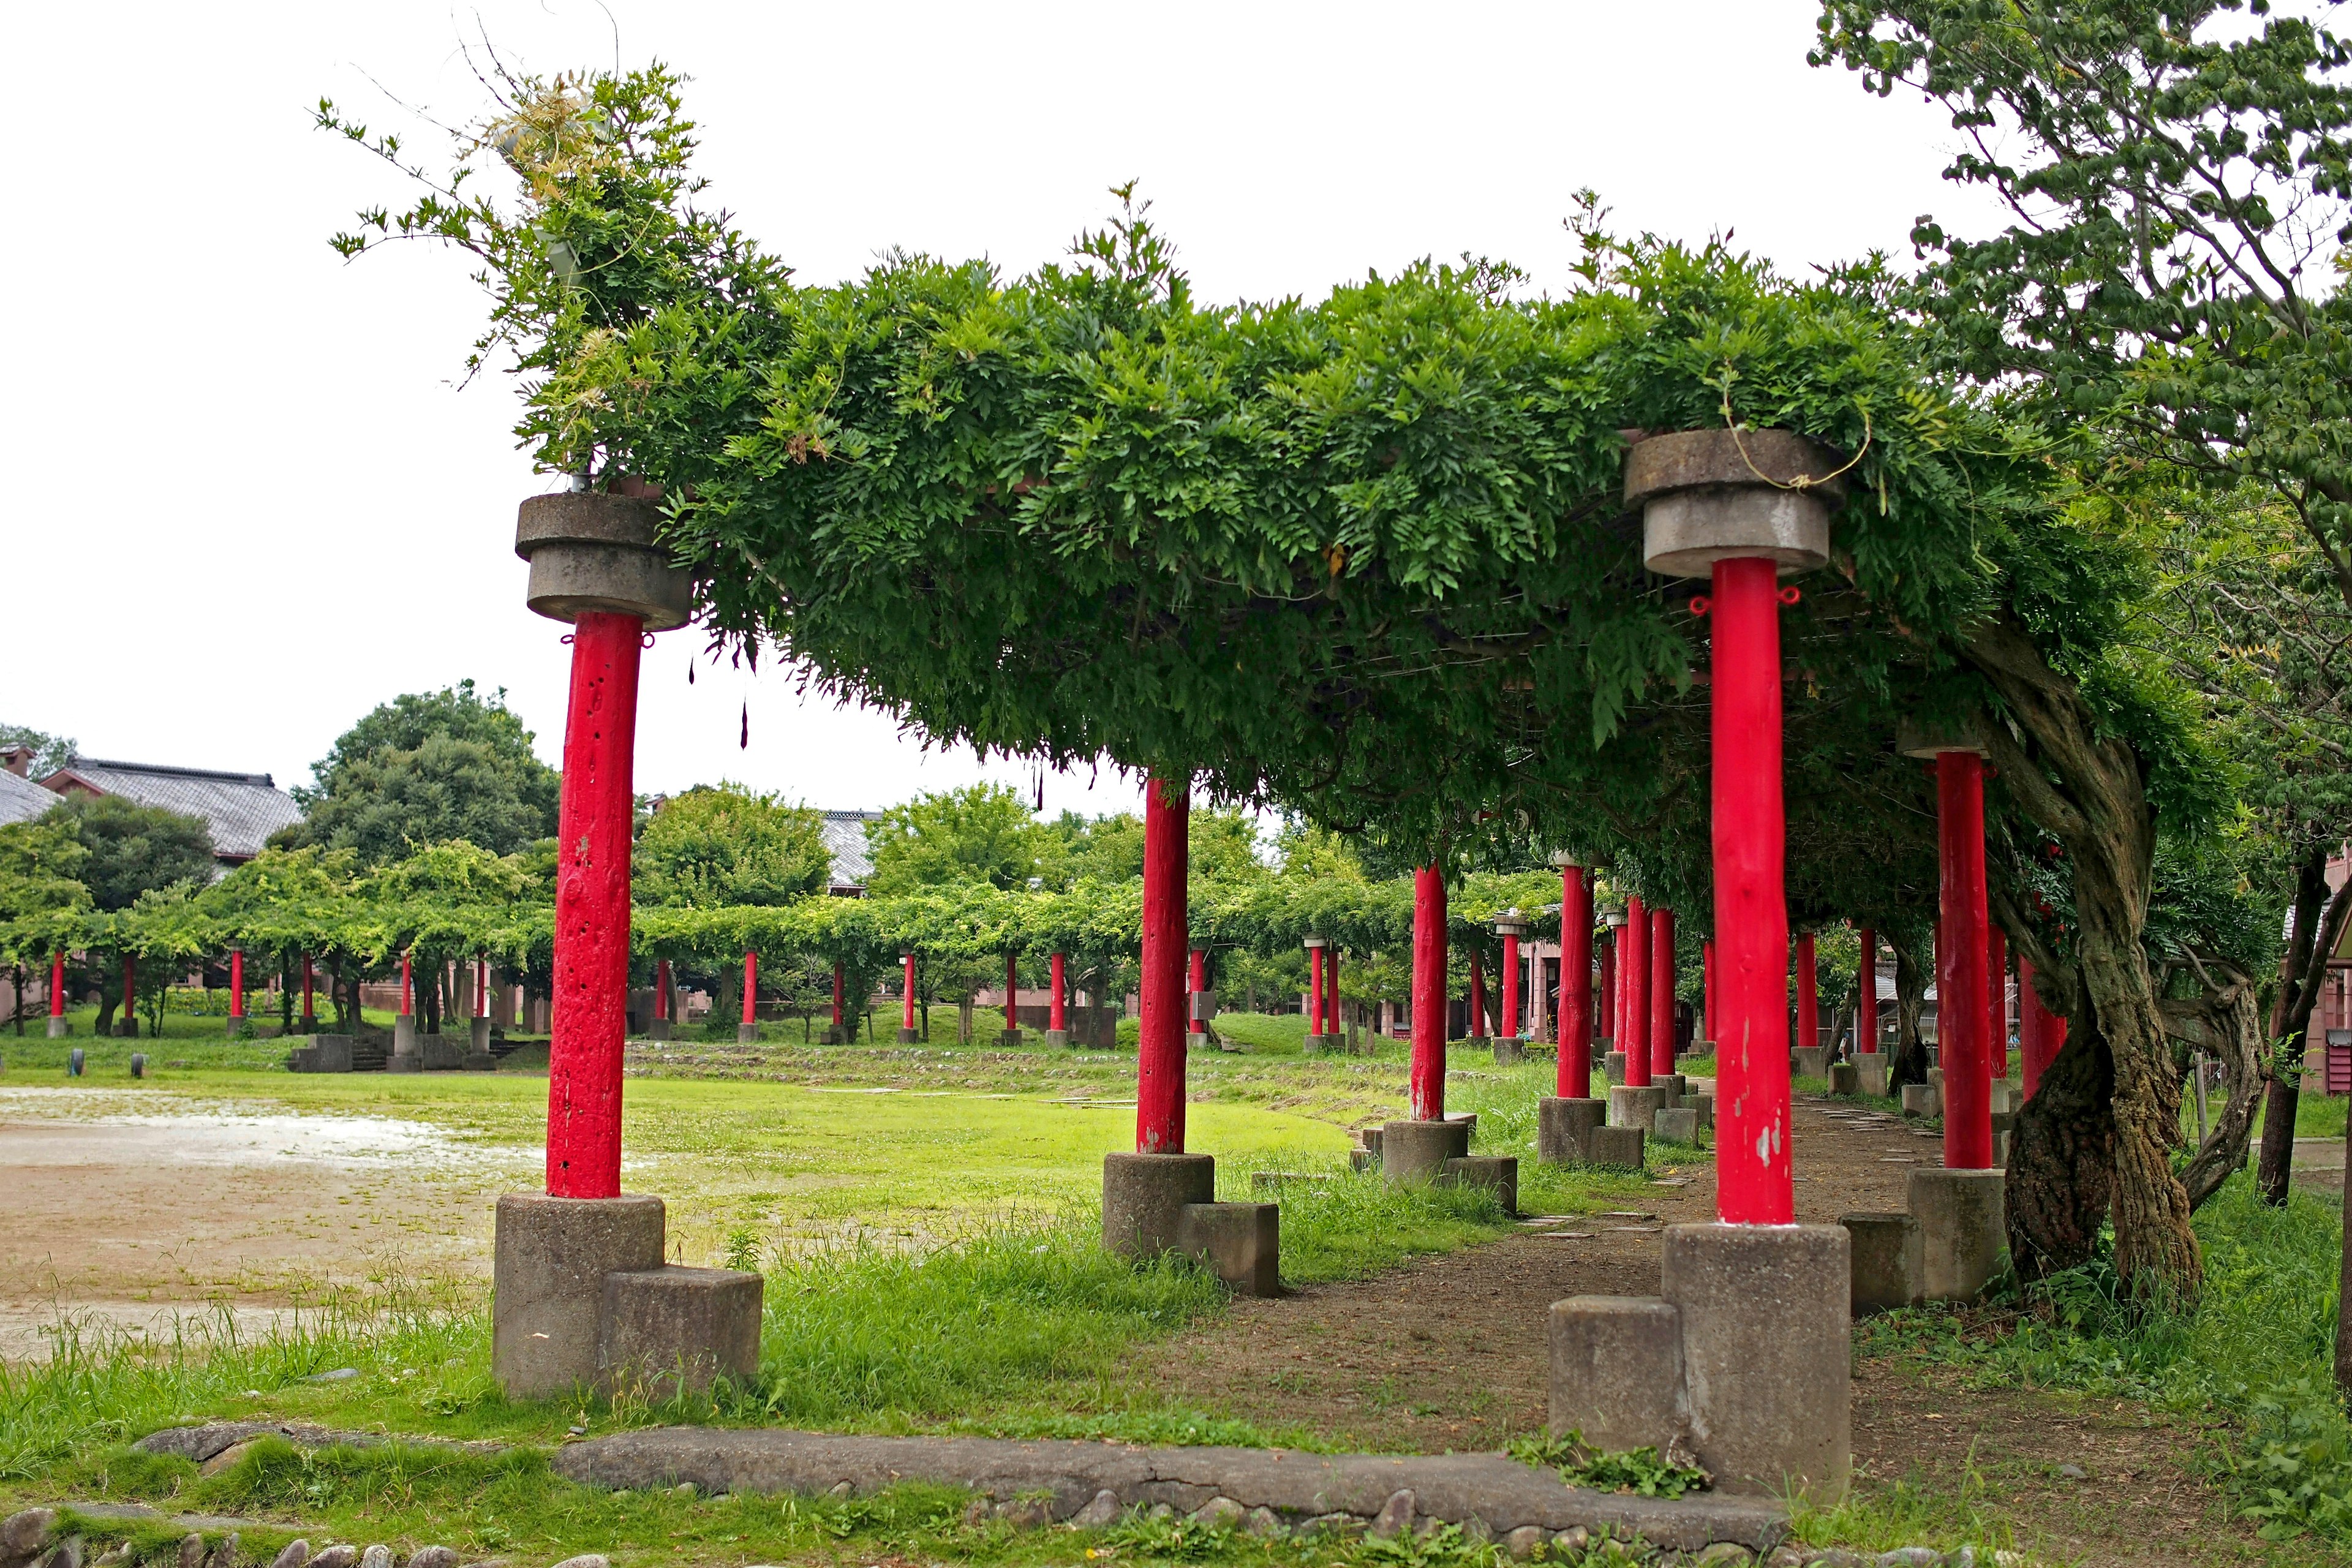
[1449,1352]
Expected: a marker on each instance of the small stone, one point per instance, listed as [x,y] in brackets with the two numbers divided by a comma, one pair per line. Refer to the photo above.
[1219,1511]
[1570,1542]
[1266,1524]
[586,1560]
[117,1558]
[66,1554]
[1474,1528]
[1395,1516]
[225,1458]
[839,1488]
[1428,1528]
[2073,1472]
[336,1557]
[377,1556]
[341,1374]
[433,1557]
[1960,1557]
[1524,1541]
[297,1553]
[975,1513]
[1100,1513]
[1785,1557]
[1343,1526]
[2003,1557]
[1723,1554]
[1837,1557]
[192,1551]
[1161,1511]
[1026,1513]
[685,1489]
[21,1534]
[1911,1557]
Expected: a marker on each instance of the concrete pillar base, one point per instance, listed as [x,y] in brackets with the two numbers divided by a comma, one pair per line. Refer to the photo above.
[60,1027]
[1963,1231]
[1845,1080]
[1009,1038]
[659,1030]
[403,1064]
[403,1034]
[478,1039]
[1499,1173]
[138,1063]
[1935,1082]
[1144,1197]
[2004,1097]
[1240,1242]
[1676,1086]
[1619,1148]
[1417,1151]
[662,1331]
[1766,1353]
[1675,1126]
[481,1061]
[1871,1070]
[551,1258]
[909,1037]
[1617,1372]
[1311,1044]
[1564,1129]
[1811,1061]
[1886,1261]
[1612,1068]
[1634,1107]
[746,1033]
[1704,1105]
[1509,1051]
[1920,1099]
[1057,1039]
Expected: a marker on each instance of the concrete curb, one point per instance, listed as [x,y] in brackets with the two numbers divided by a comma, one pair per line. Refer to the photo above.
[1491,1488]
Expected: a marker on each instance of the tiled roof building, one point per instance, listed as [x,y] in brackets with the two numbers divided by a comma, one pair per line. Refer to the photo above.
[844,840]
[21,799]
[242,809]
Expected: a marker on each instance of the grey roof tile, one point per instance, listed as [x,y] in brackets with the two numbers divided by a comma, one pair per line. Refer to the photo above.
[21,799]
[242,809]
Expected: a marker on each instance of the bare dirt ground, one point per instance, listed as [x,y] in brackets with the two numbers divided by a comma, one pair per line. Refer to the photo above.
[1450,1353]
[116,1215]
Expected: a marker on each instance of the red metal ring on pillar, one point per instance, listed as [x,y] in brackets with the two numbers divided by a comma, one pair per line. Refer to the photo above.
[1790,595]
[1699,605]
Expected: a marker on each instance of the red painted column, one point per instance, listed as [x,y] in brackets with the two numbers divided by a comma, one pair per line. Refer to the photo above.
[1477,998]
[837,983]
[1196,980]
[661,990]
[1609,1008]
[1331,1022]
[1633,975]
[58,985]
[407,987]
[751,988]
[1997,997]
[482,985]
[1749,831]
[1057,1010]
[590,1022]
[906,992]
[1575,1078]
[1511,984]
[1011,993]
[1663,965]
[129,984]
[235,983]
[1707,983]
[2040,1033]
[1314,989]
[1963,1051]
[307,1015]
[1808,995]
[1160,1057]
[1865,997]
[1429,1010]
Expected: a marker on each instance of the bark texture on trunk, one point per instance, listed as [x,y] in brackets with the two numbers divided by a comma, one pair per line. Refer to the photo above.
[2226,1025]
[2086,787]
[2320,917]
[1911,971]
[2061,1161]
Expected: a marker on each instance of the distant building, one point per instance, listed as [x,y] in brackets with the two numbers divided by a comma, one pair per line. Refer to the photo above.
[241,809]
[21,799]
[844,840]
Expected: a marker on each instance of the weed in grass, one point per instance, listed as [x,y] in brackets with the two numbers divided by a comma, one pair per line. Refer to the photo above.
[1641,1471]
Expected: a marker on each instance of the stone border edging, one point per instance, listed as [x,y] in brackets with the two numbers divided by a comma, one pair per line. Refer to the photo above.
[1491,1489]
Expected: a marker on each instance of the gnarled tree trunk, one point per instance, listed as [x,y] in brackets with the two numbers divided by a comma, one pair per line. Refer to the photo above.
[2224,1024]
[2320,917]
[1910,1065]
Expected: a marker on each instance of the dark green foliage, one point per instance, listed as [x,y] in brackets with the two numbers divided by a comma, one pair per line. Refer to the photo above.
[720,845]
[129,849]
[982,834]
[426,768]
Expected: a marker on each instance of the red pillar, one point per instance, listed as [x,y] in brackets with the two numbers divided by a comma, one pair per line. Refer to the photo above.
[1315,988]
[1012,992]
[1865,996]
[58,985]
[2041,1034]
[751,988]
[482,985]
[1428,1074]
[1196,980]
[307,1015]
[129,985]
[1609,1010]
[590,1023]
[1159,1058]
[1707,983]
[1634,975]
[1511,983]
[1575,1080]
[1331,1024]
[1662,994]
[1477,998]
[906,992]
[1963,1051]
[1997,997]
[407,987]
[1751,914]
[235,983]
[1057,1010]
[661,989]
[1808,995]
[837,985]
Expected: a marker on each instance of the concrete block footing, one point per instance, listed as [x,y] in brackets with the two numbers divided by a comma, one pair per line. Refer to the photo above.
[908,1037]
[1935,1082]
[1887,1263]
[1675,1125]
[1010,1038]
[1058,1040]
[548,1269]
[1811,1061]
[656,1029]
[1509,1051]
[666,1329]
[1564,1129]
[403,1064]
[1613,1069]
[1144,1197]
[746,1033]
[481,1061]
[403,1034]
[1635,1106]
[1617,1372]
[478,1036]
[1418,1151]
[1963,1231]
[1497,1173]
[1871,1072]
[1240,1242]
[1920,1099]
[1845,1078]
[1620,1148]
[1704,1105]
[59,1027]
[325,1052]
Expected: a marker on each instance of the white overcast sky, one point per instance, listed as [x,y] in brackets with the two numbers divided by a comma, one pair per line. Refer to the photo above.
[249,502]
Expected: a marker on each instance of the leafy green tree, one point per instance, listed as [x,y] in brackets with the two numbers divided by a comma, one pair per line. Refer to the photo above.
[40,865]
[130,852]
[1101,849]
[723,844]
[427,768]
[981,833]
[49,752]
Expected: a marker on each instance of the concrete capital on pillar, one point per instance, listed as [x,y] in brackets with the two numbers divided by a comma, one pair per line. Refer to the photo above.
[591,552]
[1927,738]
[1562,859]
[1613,919]
[1317,941]
[1509,928]
[1723,494]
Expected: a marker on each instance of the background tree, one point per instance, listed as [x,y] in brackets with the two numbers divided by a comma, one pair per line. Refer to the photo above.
[131,851]
[723,844]
[428,768]
[981,833]
[49,752]
[40,866]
